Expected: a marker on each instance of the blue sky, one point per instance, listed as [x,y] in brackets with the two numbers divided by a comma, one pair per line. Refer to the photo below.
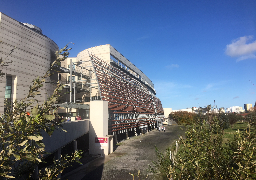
[194,51]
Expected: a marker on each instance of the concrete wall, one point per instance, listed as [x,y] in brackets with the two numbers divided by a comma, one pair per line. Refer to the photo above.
[32,55]
[59,138]
[99,128]
[102,52]
[167,111]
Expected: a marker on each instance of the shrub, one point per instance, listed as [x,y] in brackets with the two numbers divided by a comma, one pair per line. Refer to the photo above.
[183,117]
[203,155]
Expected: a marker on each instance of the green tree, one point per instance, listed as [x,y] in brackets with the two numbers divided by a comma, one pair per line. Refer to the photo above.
[21,146]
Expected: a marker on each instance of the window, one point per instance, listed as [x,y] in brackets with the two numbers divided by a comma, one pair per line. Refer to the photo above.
[8,93]
[74,66]
[8,87]
[73,78]
[113,58]
[87,113]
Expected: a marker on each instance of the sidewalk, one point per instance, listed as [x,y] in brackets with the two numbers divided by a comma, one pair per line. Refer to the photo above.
[133,155]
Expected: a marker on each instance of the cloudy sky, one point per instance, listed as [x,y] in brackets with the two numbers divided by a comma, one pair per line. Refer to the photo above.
[194,51]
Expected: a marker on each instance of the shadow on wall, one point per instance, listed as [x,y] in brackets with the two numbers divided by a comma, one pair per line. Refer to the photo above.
[62,143]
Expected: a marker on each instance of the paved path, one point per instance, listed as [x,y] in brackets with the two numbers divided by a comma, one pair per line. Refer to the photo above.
[132,155]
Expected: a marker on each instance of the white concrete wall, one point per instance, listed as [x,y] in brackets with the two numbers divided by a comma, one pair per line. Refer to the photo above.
[102,52]
[98,127]
[167,111]
[59,138]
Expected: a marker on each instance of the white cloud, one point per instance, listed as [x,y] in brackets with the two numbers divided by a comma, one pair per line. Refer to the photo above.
[250,56]
[214,86]
[209,86]
[241,48]
[172,66]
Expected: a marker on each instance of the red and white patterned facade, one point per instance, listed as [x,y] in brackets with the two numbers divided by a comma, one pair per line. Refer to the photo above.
[132,102]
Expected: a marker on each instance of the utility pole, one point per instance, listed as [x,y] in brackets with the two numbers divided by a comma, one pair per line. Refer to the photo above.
[70,79]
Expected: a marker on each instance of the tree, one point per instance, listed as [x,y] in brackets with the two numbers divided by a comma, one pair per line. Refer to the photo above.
[21,146]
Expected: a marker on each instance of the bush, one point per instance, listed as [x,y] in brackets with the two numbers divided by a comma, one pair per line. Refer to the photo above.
[183,117]
[251,118]
[203,155]
[233,118]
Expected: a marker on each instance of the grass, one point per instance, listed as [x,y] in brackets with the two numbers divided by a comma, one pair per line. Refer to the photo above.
[229,133]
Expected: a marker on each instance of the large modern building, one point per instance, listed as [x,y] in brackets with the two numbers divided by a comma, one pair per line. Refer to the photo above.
[126,99]
[109,76]
[32,53]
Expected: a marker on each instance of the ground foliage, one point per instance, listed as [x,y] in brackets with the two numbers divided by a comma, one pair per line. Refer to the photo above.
[202,154]
[21,146]
[188,118]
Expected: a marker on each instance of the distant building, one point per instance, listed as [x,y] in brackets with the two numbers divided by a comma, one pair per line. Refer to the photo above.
[32,55]
[222,110]
[167,111]
[247,107]
[190,110]
[234,109]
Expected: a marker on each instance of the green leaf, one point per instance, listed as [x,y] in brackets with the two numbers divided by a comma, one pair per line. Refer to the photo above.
[8,176]
[22,144]
[10,128]
[49,117]
[36,138]
[16,156]
[34,111]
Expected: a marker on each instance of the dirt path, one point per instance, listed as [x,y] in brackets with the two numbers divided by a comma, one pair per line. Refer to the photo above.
[138,153]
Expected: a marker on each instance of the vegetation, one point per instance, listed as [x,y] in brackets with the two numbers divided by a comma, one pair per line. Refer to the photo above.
[212,149]
[21,146]
[186,118]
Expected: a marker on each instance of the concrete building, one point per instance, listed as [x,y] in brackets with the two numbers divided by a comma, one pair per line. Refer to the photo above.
[235,109]
[248,107]
[167,111]
[190,110]
[31,57]
[124,93]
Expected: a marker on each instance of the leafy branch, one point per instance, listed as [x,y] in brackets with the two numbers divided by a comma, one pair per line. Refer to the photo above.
[21,146]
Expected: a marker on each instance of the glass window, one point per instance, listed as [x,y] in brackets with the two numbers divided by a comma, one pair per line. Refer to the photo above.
[73,78]
[87,113]
[8,93]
